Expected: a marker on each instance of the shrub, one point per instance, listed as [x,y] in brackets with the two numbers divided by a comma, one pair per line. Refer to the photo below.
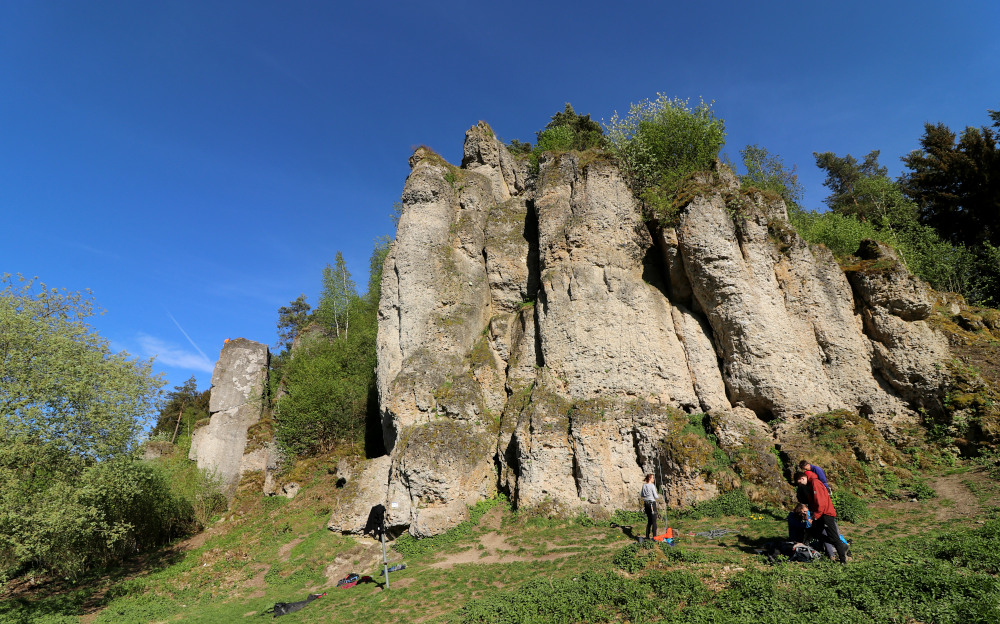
[86,516]
[732,503]
[569,131]
[635,556]
[767,172]
[842,235]
[559,139]
[624,517]
[660,143]
[566,131]
[850,508]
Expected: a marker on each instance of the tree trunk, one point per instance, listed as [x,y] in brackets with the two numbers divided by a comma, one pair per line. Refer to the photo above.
[178,425]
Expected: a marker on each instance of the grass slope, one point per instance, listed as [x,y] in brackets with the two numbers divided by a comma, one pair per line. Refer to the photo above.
[935,560]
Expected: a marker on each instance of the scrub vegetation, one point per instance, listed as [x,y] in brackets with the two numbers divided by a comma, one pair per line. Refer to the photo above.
[326,389]
[929,561]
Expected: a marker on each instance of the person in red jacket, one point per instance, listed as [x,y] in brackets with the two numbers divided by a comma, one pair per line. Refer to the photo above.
[824,521]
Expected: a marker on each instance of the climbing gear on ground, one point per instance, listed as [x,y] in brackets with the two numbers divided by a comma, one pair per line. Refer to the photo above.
[714,533]
[284,608]
[348,581]
[395,568]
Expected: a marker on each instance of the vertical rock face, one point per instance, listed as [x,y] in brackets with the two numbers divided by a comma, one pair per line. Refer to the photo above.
[537,335]
[237,402]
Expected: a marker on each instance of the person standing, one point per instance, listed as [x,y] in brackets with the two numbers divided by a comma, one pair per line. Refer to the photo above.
[824,522]
[648,496]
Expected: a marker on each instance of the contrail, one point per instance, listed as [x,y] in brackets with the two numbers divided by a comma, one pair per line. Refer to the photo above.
[202,353]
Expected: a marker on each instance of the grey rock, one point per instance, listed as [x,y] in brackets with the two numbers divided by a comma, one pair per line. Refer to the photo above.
[355,497]
[537,335]
[289,490]
[908,353]
[236,403]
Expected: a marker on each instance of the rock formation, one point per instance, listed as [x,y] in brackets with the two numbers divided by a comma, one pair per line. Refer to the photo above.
[538,335]
[237,402]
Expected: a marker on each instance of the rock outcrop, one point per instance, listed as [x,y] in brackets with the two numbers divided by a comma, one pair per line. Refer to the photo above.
[538,335]
[237,402]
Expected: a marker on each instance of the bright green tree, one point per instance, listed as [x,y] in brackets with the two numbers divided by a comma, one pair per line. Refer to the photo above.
[292,319]
[767,172]
[334,300]
[61,381]
[842,177]
[73,494]
[330,385]
[662,142]
[865,203]
[567,130]
[181,408]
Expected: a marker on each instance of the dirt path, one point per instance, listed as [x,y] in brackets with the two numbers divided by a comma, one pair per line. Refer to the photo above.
[495,549]
[951,487]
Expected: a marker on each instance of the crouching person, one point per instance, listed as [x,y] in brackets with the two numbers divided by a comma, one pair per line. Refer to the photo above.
[824,522]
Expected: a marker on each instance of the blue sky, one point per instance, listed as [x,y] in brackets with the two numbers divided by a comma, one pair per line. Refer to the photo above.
[197,164]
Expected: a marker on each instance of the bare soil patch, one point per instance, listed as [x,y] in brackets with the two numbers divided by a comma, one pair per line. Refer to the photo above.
[359,559]
[951,487]
[257,583]
[495,550]
[285,552]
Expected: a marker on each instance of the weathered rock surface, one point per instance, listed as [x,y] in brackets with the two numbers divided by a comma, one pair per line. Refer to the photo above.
[537,335]
[908,352]
[359,489]
[237,402]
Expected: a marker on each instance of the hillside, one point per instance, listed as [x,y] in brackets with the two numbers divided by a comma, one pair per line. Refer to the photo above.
[550,329]
[933,559]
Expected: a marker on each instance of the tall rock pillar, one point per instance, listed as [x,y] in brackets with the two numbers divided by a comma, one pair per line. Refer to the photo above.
[238,399]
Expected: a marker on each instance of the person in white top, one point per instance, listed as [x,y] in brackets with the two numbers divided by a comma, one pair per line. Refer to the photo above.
[648,496]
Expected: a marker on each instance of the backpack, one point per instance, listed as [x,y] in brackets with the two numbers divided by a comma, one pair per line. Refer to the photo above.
[804,553]
[791,550]
[348,581]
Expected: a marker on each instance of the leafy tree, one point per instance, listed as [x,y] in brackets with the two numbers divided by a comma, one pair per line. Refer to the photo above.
[63,513]
[72,492]
[519,147]
[567,130]
[660,143]
[956,184]
[61,381]
[330,385]
[184,406]
[338,290]
[767,172]
[292,319]
[865,203]
[842,177]
[375,264]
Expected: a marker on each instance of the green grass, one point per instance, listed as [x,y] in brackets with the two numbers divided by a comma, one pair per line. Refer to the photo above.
[907,566]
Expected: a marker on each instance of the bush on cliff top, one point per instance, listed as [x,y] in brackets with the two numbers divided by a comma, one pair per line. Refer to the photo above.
[662,142]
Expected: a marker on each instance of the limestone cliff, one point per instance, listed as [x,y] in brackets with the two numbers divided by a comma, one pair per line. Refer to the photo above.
[237,402]
[538,335]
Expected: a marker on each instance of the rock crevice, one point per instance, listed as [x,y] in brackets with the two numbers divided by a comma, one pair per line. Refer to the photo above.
[538,336]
